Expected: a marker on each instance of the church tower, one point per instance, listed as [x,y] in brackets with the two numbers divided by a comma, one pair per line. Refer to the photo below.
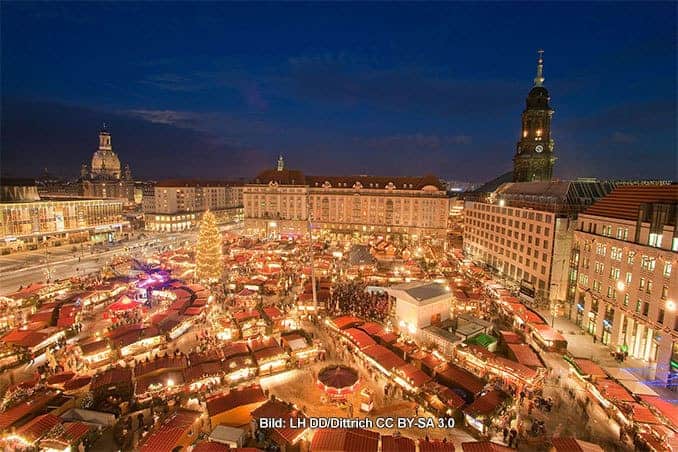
[534,158]
[281,163]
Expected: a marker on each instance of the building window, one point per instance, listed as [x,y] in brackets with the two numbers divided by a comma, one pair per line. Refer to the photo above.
[655,240]
[660,316]
[667,269]
[616,253]
[649,286]
[626,300]
[646,309]
[647,263]
[665,291]
[641,286]
[631,258]
[622,233]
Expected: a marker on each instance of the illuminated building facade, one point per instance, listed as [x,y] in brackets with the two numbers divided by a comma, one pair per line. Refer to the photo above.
[27,223]
[279,201]
[625,285]
[524,231]
[178,204]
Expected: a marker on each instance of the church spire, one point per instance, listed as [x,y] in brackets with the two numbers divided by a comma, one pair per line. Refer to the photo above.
[539,79]
[281,163]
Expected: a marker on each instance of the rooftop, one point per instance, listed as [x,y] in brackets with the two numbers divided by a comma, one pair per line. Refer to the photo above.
[625,201]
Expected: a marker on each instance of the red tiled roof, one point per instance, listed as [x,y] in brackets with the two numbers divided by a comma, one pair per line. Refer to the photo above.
[435,446]
[60,378]
[272,312]
[77,382]
[525,355]
[346,321]
[624,201]
[211,446]
[416,377]
[484,446]
[202,370]
[385,357]
[668,410]
[588,367]
[194,310]
[344,440]
[165,437]
[275,408]
[397,444]
[73,431]
[24,338]
[9,417]
[112,377]
[235,349]
[486,404]
[373,329]
[612,390]
[235,398]
[450,374]
[566,445]
[38,427]
[359,337]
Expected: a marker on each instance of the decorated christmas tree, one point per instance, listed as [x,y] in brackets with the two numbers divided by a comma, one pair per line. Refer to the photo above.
[208,265]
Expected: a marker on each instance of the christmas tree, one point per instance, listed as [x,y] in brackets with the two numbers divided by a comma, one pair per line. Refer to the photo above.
[208,264]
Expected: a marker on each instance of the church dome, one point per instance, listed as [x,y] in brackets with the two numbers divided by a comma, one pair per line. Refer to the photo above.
[105,162]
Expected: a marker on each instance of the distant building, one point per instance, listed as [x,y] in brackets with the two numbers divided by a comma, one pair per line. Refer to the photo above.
[280,201]
[105,178]
[534,157]
[28,221]
[178,204]
[524,231]
[420,304]
[624,279]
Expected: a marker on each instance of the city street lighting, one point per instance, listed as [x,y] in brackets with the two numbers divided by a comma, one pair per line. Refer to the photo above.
[670,305]
[620,285]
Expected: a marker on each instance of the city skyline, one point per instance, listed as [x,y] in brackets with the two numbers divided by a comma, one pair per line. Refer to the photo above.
[224,95]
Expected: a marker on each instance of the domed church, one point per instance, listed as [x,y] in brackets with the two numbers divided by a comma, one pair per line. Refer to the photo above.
[104,177]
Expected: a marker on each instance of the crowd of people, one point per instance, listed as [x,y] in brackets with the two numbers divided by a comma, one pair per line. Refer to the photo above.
[352,297]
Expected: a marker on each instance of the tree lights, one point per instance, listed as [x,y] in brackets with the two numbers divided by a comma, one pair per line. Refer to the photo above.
[208,265]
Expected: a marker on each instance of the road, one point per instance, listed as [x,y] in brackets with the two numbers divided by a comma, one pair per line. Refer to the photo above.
[21,269]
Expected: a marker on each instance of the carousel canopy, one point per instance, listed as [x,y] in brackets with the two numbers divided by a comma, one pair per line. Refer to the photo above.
[338,378]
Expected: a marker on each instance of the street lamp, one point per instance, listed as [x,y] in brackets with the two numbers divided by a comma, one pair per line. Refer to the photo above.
[670,305]
[621,286]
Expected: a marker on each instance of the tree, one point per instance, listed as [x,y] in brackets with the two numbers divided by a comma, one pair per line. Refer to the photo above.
[208,265]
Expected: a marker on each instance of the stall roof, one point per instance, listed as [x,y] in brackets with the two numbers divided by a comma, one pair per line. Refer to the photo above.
[457,376]
[38,427]
[667,409]
[588,367]
[486,404]
[510,337]
[385,357]
[613,391]
[435,446]
[10,417]
[573,445]
[484,446]
[165,437]
[416,376]
[235,398]
[359,337]
[525,355]
[397,444]
[347,321]
[346,440]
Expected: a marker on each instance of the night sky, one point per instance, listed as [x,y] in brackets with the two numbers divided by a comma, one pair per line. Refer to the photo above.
[219,90]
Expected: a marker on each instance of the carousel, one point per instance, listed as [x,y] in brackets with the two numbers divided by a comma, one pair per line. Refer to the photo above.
[338,381]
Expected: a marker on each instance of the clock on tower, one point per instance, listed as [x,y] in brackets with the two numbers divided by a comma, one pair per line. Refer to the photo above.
[534,158]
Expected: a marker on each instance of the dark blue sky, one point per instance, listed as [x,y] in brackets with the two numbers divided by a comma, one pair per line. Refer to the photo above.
[219,90]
